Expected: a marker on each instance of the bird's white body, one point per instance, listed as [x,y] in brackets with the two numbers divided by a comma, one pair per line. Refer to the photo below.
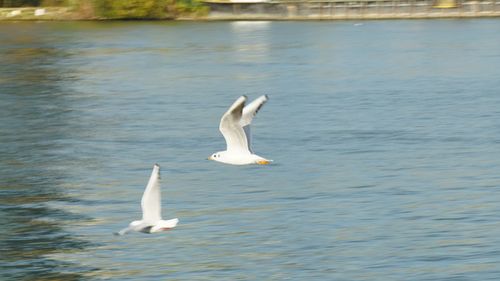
[150,227]
[151,209]
[239,158]
[235,127]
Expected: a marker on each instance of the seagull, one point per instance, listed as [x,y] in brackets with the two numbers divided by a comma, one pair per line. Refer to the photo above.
[235,127]
[151,209]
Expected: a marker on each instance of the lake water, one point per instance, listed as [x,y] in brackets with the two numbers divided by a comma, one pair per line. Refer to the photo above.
[385,137]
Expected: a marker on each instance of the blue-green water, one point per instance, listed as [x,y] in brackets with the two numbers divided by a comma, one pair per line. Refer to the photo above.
[385,137]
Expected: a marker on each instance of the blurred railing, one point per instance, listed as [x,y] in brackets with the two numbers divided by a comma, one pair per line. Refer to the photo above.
[356,9]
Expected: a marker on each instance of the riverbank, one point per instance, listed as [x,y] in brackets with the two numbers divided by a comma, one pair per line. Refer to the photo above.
[37,13]
[292,10]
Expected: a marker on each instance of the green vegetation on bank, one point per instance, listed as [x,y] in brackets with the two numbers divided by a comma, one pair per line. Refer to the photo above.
[134,9]
[149,9]
[119,9]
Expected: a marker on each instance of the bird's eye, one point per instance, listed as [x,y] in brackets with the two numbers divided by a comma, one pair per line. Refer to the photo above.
[215,155]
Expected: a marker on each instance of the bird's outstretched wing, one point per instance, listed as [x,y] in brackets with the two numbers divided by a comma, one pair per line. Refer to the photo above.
[248,113]
[231,129]
[151,199]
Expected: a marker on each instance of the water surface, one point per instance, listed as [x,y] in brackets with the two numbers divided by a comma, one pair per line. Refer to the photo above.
[385,137]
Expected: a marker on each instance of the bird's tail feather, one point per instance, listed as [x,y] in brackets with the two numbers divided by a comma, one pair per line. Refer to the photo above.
[123,231]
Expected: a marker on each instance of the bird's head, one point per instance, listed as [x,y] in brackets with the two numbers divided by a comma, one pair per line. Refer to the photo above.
[216,156]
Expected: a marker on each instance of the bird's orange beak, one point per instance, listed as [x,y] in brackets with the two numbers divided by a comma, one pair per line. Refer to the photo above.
[263,162]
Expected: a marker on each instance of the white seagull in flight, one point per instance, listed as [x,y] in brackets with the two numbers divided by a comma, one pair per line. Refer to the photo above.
[235,127]
[151,209]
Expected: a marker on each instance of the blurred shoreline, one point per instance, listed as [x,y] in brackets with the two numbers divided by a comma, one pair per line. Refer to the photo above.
[282,11]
